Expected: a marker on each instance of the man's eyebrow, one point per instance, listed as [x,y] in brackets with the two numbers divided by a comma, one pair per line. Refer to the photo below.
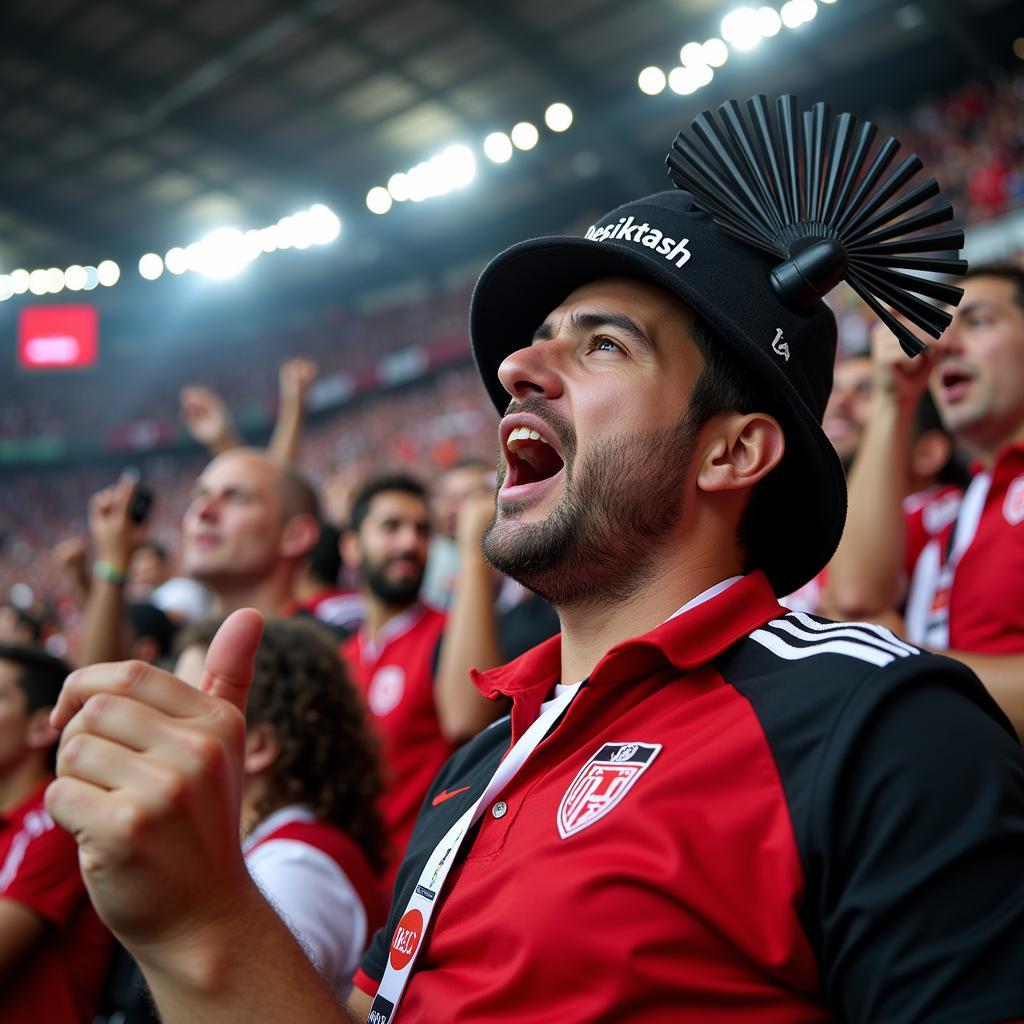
[974,307]
[590,321]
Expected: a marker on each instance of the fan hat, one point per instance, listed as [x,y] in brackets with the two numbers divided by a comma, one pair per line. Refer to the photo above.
[768,215]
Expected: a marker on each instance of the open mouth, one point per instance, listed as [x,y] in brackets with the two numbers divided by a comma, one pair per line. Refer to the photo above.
[954,382]
[532,459]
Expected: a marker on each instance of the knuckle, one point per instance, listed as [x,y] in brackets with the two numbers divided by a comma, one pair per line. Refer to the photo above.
[95,709]
[130,822]
[70,753]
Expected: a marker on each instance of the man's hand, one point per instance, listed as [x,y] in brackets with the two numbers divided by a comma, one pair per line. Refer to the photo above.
[475,514]
[208,419]
[898,378]
[115,536]
[149,780]
[295,377]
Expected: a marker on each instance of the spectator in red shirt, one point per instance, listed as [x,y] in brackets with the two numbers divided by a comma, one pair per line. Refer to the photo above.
[53,948]
[964,595]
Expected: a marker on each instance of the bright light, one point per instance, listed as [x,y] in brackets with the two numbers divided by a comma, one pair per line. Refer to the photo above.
[716,53]
[176,261]
[683,81]
[558,117]
[267,238]
[525,135]
[108,273]
[37,283]
[768,21]
[151,266]
[55,280]
[92,278]
[692,55]
[741,29]
[651,81]
[378,200]
[221,254]
[302,229]
[796,12]
[398,187]
[74,278]
[20,281]
[498,147]
[6,291]
[703,75]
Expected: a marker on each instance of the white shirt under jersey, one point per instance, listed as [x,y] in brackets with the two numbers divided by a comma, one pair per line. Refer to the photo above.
[312,895]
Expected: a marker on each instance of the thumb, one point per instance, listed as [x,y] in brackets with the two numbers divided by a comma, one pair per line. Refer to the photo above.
[229,661]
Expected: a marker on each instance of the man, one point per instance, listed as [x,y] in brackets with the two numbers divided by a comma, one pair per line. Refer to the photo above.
[249,525]
[53,948]
[710,810]
[964,591]
[396,653]
[849,405]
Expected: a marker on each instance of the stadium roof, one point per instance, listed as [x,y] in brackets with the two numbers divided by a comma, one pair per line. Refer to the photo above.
[130,126]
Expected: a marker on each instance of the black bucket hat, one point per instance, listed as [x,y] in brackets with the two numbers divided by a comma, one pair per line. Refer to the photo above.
[753,257]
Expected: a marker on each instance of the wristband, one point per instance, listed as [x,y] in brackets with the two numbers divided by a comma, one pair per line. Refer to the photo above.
[108,572]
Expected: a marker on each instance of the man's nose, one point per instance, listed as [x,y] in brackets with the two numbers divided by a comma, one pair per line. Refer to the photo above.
[534,371]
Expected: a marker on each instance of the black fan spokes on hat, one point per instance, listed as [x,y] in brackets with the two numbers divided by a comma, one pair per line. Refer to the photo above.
[808,189]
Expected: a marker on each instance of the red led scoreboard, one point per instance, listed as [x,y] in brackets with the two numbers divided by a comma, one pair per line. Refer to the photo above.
[58,337]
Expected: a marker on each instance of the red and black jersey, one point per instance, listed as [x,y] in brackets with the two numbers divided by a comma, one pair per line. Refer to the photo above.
[744,815]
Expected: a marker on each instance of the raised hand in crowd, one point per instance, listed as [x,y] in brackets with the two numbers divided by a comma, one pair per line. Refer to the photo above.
[149,783]
[72,555]
[115,537]
[295,377]
[865,572]
[208,419]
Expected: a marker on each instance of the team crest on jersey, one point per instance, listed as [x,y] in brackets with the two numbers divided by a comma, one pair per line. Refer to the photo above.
[1013,503]
[602,783]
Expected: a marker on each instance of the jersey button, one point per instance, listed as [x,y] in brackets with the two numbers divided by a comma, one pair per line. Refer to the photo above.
[500,809]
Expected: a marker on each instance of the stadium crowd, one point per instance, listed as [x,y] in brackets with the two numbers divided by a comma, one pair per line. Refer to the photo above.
[357,535]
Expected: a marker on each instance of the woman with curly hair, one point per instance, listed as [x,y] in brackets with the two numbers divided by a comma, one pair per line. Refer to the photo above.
[312,835]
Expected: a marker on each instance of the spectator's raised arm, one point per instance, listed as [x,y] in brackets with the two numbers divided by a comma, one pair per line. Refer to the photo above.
[294,378]
[208,419]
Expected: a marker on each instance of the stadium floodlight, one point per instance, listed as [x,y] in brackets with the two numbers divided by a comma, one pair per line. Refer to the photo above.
[558,117]
[221,254]
[150,266]
[6,290]
[459,165]
[684,80]
[716,53]
[796,12]
[74,278]
[651,81]
[692,55]
[20,281]
[92,278]
[768,21]
[525,135]
[175,260]
[378,200]
[108,273]
[38,283]
[498,147]
[54,280]
[398,187]
[741,28]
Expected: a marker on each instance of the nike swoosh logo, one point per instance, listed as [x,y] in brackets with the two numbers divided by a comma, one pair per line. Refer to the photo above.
[445,795]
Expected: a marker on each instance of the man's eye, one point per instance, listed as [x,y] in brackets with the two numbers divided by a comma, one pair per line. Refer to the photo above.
[602,343]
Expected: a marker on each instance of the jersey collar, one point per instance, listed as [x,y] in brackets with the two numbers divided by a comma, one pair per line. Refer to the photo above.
[693,636]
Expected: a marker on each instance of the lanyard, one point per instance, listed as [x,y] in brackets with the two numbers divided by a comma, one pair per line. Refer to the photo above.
[407,941]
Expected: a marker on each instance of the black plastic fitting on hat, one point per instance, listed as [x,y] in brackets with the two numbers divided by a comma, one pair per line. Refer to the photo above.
[771,219]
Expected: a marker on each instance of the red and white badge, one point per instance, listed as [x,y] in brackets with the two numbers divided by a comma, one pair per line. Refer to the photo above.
[602,782]
[1013,503]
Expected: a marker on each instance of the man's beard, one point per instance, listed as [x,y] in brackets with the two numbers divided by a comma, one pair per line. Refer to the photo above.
[620,502]
[387,590]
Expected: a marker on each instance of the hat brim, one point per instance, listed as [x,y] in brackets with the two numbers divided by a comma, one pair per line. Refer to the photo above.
[800,526]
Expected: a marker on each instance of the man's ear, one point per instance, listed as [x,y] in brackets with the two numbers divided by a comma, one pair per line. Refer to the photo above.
[349,547]
[741,449]
[262,748]
[39,734]
[299,536]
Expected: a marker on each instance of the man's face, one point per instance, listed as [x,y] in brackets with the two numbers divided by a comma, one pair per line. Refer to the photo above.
[12,629]
[454,488]
[849,406]
[606,384]
[392,546]
[14,718]
[147,570]
[234,523]
[978,380]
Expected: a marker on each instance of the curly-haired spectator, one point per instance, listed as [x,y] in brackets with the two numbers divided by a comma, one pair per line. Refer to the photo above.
[314,839]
